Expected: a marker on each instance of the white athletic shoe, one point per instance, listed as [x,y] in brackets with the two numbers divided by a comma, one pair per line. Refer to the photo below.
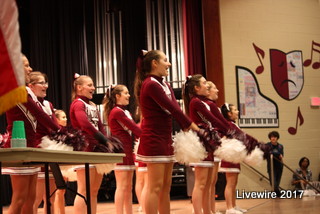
[240,209]
[233,211]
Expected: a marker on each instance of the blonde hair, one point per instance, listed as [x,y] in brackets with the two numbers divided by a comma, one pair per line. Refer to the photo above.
[78,81]
[35,76]
[58,112]
[210,84]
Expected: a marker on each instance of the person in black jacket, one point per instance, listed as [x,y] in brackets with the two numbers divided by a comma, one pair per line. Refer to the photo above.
[277,152]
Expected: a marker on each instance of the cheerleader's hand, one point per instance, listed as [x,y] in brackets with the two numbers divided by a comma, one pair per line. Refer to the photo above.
[204,134]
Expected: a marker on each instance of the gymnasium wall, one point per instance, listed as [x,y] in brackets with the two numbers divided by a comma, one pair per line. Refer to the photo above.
[286,25]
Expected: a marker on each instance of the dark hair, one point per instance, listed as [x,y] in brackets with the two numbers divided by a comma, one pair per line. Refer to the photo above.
[143,68]
[225,109]
[110,99]
[302,159]
[77,81]
[188,90]
[274,134]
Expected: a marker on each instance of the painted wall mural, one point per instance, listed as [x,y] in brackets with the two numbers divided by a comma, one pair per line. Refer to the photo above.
[255,109]
[287,77]
[286,73]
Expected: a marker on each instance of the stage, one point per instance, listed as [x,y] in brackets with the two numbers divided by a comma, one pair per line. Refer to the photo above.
[306,205]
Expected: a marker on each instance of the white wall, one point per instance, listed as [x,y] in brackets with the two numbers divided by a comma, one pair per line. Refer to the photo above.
[286,25]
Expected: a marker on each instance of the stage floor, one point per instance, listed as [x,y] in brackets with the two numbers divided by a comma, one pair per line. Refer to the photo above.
[306,205]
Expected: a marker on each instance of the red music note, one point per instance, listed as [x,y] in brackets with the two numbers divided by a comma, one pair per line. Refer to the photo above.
[260,68]
[293,130]
[314,48]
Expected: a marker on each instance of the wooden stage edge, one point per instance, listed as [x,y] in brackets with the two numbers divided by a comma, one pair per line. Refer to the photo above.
[306,205]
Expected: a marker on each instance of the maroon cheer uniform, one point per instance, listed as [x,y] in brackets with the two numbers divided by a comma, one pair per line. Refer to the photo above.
[85,117]
[125,129]
[158,106]
[221,125]
[48,109]
[200,113]
[32,116]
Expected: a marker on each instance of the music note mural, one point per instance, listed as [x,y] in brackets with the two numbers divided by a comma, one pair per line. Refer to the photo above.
[287,73]
[293,130]
[260,52]
[315,47]
[255,109]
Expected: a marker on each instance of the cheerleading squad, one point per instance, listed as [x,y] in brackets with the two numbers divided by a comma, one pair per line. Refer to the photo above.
[220,138]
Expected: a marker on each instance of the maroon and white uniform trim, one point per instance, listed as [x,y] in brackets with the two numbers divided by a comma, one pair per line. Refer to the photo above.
[158,106]
[125,129]
[32,116]
[85,117]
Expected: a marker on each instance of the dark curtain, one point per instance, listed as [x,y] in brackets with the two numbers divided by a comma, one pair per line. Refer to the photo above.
[195,44]
[134,40]
[55,38]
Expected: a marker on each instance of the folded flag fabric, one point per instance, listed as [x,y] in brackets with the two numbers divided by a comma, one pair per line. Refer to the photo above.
[12,75]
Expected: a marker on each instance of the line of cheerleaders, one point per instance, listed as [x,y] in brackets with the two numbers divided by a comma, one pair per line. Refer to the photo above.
[155,154]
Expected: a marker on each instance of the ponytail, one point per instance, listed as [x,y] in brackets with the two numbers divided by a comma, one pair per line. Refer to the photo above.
[110,99]
[143,68]
[188,90]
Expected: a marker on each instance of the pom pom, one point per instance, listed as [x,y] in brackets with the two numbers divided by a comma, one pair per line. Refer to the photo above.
[46,143]
[231,150]
[104,168]
[70,137]
[255,158]
[188,148]
[113,145]
[266,150]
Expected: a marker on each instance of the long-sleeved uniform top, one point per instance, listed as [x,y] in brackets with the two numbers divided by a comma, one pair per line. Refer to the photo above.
[158,106]
[48,109]
[32,116]
[200,112]
[125,129]
[85,116]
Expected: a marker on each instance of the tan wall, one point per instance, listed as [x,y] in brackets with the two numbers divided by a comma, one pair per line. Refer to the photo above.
[286,25]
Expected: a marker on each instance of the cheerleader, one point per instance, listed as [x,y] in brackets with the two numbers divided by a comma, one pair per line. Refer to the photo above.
[59,202]
[141,184]
[39,85]
[24,179]
[211,98]
[232,170]
[158,105]
[194,96]
[84,116]
[126,130]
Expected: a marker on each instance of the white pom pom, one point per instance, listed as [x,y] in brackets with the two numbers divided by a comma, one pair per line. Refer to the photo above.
[231,150]
[46,143]
[255,158]
[104,168]
[188,148]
